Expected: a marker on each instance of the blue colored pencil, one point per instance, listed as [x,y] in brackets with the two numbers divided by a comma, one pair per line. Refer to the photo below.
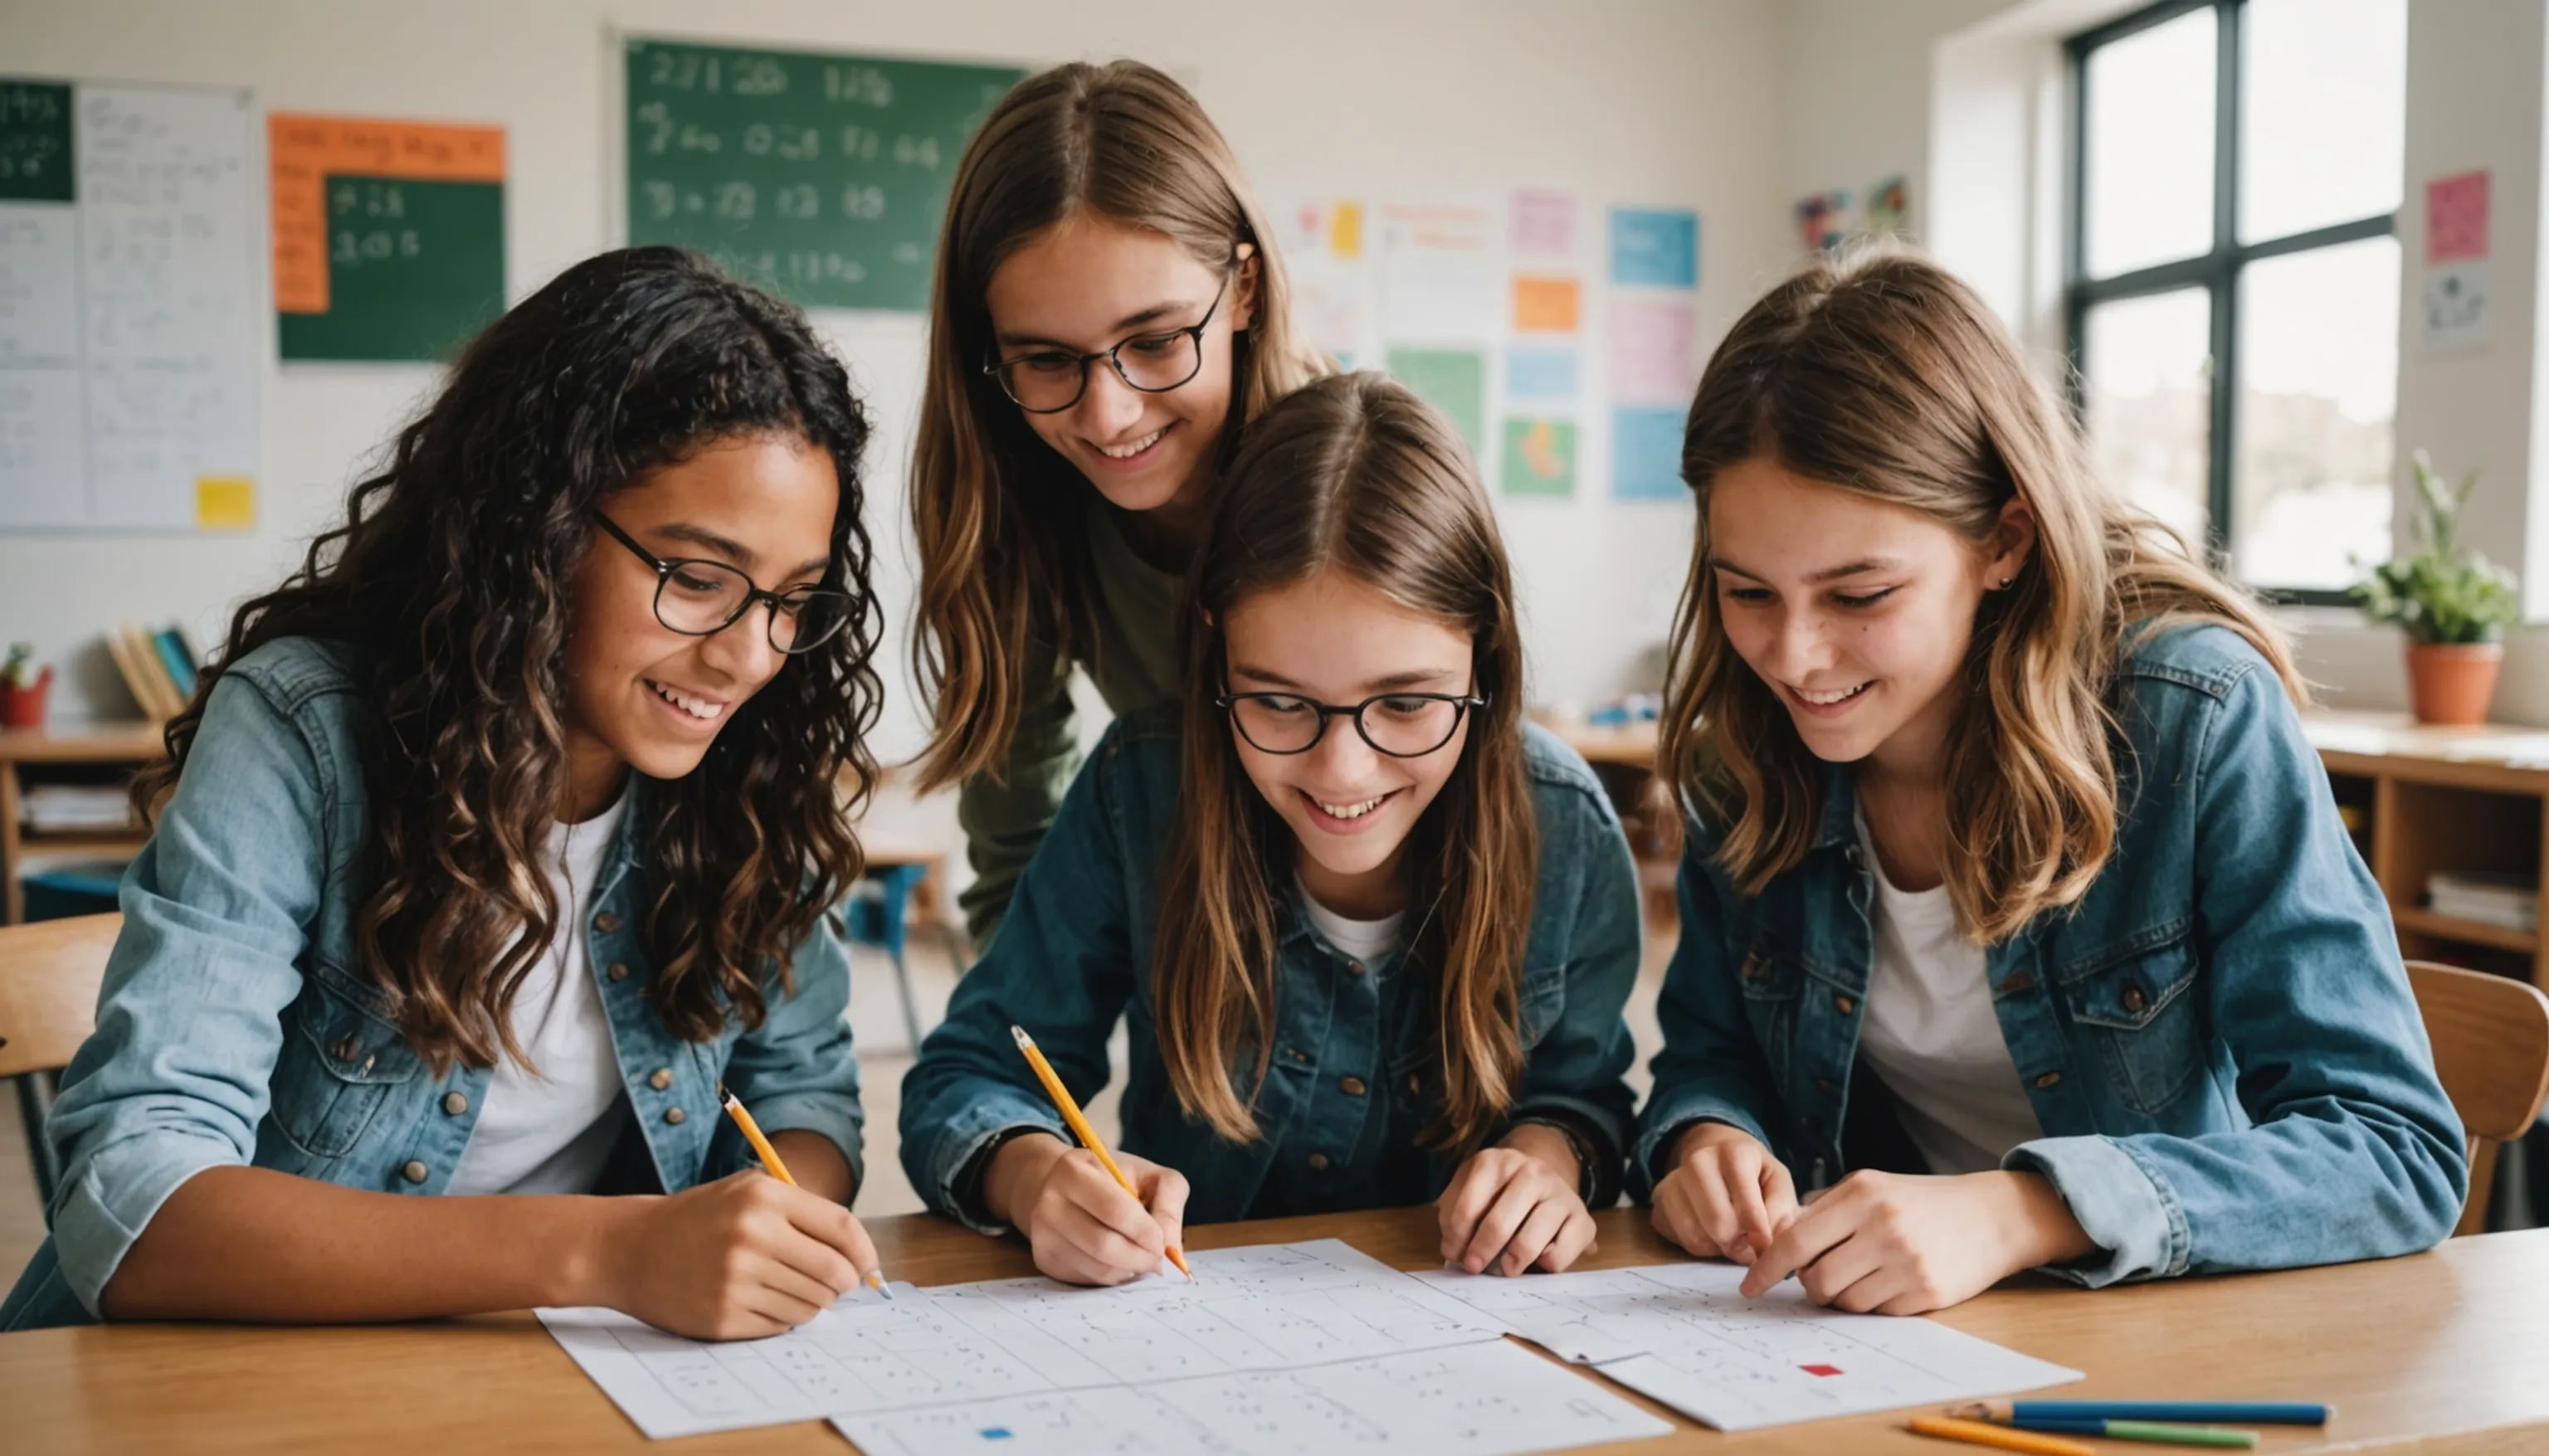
[2198,1412]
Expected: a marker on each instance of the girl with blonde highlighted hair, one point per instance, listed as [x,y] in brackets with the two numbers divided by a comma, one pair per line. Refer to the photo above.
[2019,929]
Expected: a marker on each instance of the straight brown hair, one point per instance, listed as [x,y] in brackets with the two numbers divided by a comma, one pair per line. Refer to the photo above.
[1880,373]
[998,514]
[1351,474]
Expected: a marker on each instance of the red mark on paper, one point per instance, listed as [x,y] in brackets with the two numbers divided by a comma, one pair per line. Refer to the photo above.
[1820,1369]
[2456,217]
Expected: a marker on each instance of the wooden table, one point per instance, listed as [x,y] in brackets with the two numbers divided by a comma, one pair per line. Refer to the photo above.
[114,745]
[2441,1352]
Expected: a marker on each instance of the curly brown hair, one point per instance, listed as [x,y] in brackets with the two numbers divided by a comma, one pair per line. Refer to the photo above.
[450,583]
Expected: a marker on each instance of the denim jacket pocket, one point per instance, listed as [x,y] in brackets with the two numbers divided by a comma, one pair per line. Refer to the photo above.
[2135,1002]
[1771,985]
[332,1077]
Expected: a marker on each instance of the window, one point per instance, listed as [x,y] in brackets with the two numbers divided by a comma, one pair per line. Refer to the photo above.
[2233,301]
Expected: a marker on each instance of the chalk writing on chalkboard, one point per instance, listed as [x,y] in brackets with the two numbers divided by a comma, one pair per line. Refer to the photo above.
[823,177]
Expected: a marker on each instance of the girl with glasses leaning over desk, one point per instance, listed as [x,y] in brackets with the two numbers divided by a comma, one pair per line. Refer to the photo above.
[1369,933]
[500,835]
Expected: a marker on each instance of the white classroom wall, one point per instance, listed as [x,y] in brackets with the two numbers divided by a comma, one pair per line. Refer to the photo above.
[1665,102]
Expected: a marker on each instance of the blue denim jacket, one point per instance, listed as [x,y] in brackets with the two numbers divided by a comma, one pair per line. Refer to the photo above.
[2219,1042]
[235,1027]
[1073,955]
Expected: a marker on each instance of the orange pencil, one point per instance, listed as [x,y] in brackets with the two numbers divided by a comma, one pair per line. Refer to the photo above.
[1080,1128]
[1977,1433]
[769,1156]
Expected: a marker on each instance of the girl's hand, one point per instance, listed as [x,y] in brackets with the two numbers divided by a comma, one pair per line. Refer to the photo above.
[1513,1207]
[1899,1244]
[1084,1227]
[739,1258]
[1725,1197]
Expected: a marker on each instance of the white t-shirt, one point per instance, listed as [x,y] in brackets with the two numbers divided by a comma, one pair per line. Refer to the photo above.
[1932,1035]
[1368,941]
[550,1131]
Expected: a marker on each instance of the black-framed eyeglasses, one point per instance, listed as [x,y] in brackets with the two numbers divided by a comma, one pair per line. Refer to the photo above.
[1402,725]
[700,598]
[1050,381]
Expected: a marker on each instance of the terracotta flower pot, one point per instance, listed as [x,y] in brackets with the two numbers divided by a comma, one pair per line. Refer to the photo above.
[2450,684]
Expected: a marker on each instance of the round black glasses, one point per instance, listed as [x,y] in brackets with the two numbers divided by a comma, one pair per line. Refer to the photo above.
[1402,725]
[1050,381]
[700,598]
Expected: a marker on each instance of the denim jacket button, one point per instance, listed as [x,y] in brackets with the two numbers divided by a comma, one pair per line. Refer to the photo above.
[2133,998]
[1415,1084]
[1318,1162]
[618,971]
[414,1172]
[662,1078]
[455,1103]
[344,1049]
[2048,1079]
[605,922]
[674,1116]
[1843,1005]
[1354,968]
[1351,1086]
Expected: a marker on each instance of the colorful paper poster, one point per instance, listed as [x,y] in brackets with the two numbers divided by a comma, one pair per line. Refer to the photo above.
[1826,219]
[1454,381]
[389,236]
[2456,306]
[1655,247]
[1330,272]
[1653,350]
[1889,207]
[1546,306]
[1544,222]
[2456,217]
[1645,454]
[1541,373]
[1539,457]
[1441,272]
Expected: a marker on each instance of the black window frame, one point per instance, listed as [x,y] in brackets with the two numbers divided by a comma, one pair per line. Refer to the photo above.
[2216,270]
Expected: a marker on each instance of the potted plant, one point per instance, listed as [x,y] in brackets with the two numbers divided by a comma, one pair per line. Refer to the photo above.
[2454,604]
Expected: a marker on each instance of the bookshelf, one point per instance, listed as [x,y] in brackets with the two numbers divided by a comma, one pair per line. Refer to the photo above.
[105,755]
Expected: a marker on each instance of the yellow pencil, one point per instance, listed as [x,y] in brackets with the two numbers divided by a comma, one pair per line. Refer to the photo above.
[769,1156]
[1977,1433]
[1080,1128]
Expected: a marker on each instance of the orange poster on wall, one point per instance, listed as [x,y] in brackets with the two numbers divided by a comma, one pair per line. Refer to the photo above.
[1546,304]
[303,151]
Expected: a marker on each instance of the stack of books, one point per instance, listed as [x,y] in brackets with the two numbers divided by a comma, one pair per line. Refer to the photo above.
[2506,898]
[157,667]
[75,808]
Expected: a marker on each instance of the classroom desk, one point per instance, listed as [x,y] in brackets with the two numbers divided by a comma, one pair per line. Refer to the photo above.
[2441,1352]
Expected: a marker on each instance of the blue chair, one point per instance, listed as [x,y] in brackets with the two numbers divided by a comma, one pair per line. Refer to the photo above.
[879,913]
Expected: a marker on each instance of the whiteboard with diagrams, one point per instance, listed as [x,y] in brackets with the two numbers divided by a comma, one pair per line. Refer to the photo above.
[131,331]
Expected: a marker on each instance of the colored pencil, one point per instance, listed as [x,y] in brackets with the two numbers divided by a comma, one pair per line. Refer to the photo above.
[1983,1433]
[769,1156]
[1080,1128]
[2200,1412]
[2157,1432]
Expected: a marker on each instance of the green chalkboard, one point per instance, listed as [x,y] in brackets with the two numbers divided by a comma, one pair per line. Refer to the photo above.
[35,141]
[414,270]
[822,177]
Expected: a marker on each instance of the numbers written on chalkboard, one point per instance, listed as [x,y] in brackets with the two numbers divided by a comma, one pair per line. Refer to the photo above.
[740,75]
[740,202]
[363,225]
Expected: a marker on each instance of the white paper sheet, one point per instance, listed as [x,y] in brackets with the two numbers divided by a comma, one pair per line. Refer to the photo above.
[1481,1400]
[1683,1334]
[1268,1306]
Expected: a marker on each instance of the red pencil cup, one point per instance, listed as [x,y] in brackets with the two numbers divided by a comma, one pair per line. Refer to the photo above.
[24,707]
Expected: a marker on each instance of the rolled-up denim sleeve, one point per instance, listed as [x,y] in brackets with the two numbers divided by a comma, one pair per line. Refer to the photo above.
[1579,1068]
[797,1071]
[1710,1071]
[2352,1151]
[178,1074]
[1059,966]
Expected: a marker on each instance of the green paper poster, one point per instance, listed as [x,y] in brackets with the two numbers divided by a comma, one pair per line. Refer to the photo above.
[1454,381]
[1539,457]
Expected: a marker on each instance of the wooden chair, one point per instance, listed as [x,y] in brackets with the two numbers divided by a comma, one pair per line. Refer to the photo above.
[2490,1035]
[49,979]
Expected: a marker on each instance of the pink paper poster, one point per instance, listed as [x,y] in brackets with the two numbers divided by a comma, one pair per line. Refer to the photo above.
[1653,345]
[1544,221]
[2456,217]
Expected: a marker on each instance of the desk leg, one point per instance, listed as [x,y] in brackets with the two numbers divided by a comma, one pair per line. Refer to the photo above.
[12,894]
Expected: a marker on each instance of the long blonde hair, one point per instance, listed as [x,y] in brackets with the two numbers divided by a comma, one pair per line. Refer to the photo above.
[997,513]
[1882,374]
[1352,473]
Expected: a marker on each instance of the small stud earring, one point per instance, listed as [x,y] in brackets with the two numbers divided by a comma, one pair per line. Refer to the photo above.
[2007,581]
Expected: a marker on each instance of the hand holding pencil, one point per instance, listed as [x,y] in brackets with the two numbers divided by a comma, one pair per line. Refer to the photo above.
[1091,1214]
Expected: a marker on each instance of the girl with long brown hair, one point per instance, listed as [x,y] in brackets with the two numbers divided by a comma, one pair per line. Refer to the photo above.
[1108,313]
[2019,929]
[1369,932]
[497,839]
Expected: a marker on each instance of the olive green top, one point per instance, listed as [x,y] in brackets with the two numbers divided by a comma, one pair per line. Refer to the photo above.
[1134,663]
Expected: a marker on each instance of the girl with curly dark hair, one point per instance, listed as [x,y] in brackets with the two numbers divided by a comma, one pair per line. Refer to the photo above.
[499,837]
